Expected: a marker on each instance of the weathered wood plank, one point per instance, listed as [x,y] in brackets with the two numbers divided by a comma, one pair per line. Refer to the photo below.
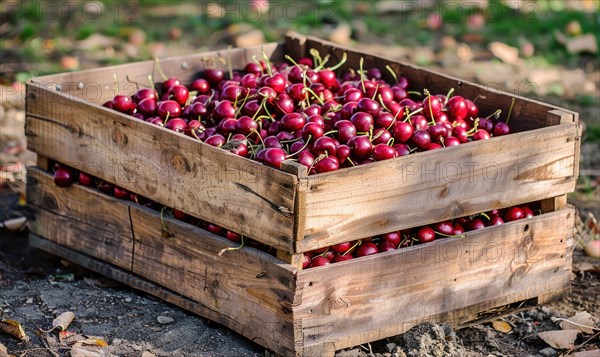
[171,168]
[97,85]
[553,204]
[81,219]
[252,288]
[144,285]
[385,294]
[437,185]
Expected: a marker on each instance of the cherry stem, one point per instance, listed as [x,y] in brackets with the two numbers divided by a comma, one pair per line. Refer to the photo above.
[390,142]
[448,95]
[375,93]
[259,137]
[485,215]
[358,242]
[116,85]
[387,66]
[341,63]
[166,118]
[164,229]
[258,111]
[316,56]
[151,81]
[362,74]
[222,251]
[323,62]
[414,92]
[479,96]
[302,148]
[317,159]
[194,134]
[442,141]
[330,132]
[350,160]
[474,129]
[411,114]
[314,94]
[160,71]
[333,109]
[229,65]
[257,61]
[430,109]
[267,62]
[451,235]
[512,104]
[496,114]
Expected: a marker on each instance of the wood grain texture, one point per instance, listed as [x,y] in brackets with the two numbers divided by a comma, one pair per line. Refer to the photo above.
[171,168]
[97,85]
[437,185]
[367,299]
[154,289]
[250,288]
[527,113]
[81,219]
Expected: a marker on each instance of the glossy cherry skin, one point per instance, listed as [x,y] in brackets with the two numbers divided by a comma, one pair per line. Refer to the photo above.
[384,152]
[168,108]
[426,234]
[63,177]
[366,248]
[514,214]
[360,147]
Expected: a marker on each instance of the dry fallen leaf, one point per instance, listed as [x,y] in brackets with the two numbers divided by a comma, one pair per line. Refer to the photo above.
[582,321]
[13,328]
[501,326]
[63,321]
[4,351]
[80,351]
[560,339]
[69,337]
[94,341]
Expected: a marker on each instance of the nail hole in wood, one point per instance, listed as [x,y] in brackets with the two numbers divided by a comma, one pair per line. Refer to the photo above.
[526,228]
[310,284]
[561,240]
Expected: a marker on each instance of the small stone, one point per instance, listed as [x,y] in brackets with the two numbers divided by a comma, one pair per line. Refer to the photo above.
[165,320]
[128,299]
[390,347]
[546,310]
[548,352]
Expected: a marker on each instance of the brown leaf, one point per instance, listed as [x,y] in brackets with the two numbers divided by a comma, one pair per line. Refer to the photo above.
[80,351]
[70,337]
[501,326]
[561,339]
[4,351]
[13,328]
[94,341]
[63,321]
[582,321]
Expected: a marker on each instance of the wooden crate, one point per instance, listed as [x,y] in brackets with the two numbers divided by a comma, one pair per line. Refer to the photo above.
[287,209]
[316,311]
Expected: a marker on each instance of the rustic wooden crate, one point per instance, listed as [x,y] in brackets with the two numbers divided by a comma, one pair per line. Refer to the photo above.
[316,311]
[287,209]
